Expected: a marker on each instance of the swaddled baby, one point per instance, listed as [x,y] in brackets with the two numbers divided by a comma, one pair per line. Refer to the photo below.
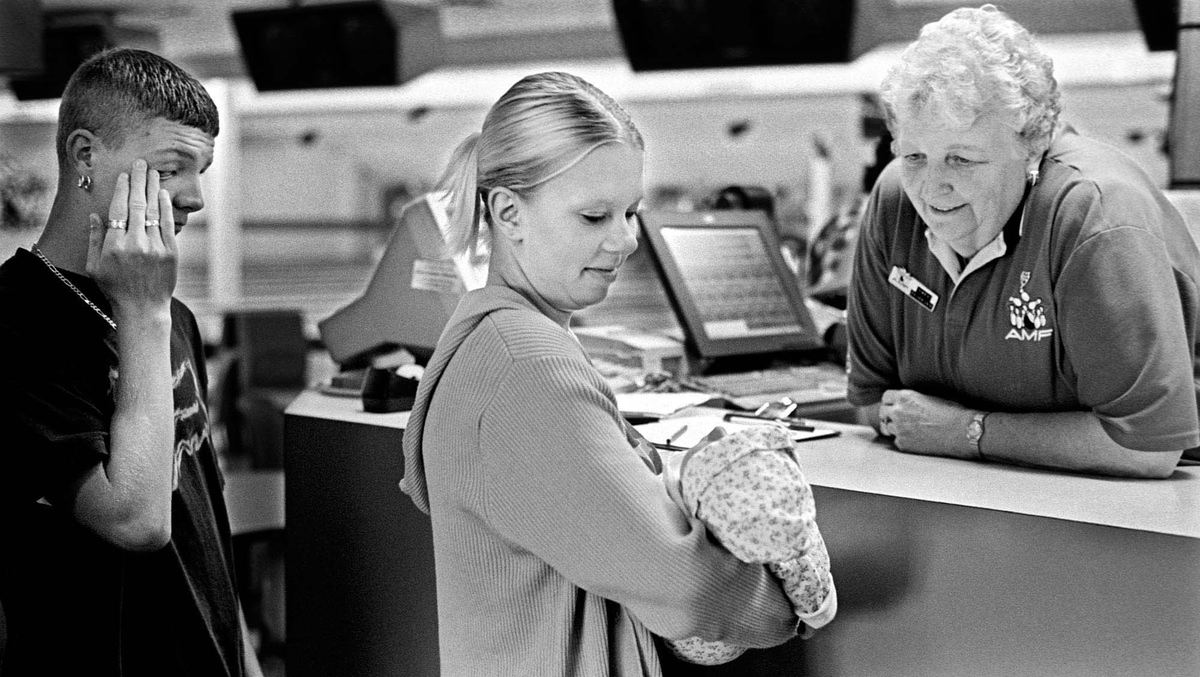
[748,489]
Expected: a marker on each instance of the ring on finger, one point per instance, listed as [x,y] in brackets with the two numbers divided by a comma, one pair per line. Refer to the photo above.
[117,224]
[152,223]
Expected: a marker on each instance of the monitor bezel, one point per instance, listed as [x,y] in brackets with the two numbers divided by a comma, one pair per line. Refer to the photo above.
[696,338]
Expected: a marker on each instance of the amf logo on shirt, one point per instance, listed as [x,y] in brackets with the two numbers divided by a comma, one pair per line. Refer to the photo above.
[1027,315]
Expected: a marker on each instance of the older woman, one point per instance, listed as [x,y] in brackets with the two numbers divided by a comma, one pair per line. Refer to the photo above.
[558,550]
[1022,294]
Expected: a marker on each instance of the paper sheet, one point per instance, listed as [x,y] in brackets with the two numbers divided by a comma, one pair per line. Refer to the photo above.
[659,404]
[686,431]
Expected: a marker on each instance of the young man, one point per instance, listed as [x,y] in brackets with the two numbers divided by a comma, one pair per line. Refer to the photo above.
[117,545]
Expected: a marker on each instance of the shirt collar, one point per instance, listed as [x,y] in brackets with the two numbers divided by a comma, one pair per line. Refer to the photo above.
[1008,237]
[949,259]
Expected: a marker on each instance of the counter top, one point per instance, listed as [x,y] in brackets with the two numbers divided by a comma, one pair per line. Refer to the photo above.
[857,460]
[314,404]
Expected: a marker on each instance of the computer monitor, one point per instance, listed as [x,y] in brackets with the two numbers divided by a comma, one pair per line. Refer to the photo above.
[727,280]
[1159,21]
[411,295]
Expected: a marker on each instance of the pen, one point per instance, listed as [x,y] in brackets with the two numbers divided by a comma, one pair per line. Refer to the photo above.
[749,418]
[675,435]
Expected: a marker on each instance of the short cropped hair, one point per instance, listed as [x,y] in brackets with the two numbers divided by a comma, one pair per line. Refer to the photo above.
[971,62]
[541,127]
[118,90]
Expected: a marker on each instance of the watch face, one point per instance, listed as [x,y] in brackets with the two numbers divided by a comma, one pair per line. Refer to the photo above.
[975,430]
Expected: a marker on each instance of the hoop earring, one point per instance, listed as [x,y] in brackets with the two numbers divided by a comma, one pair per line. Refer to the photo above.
[85,182]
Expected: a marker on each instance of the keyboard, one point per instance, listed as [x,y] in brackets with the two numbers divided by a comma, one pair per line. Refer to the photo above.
[803,384]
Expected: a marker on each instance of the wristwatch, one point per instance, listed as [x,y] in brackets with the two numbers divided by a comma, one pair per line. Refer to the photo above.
[975,430]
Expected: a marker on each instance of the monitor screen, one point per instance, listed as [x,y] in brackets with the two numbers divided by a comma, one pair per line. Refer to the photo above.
[727,280]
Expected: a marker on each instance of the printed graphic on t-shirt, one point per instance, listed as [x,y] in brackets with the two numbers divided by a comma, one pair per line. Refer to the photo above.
[1027,315]
[191,415]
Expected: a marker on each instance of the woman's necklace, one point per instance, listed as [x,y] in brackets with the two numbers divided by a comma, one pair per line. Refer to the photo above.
[57,273]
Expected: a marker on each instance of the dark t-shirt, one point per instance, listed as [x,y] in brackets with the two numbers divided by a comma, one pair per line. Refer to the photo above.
[74,603]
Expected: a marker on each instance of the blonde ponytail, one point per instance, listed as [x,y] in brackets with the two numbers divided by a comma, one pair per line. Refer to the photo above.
[460,183]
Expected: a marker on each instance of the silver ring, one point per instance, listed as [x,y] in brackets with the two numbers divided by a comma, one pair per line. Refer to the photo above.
[116,224]
[152,223]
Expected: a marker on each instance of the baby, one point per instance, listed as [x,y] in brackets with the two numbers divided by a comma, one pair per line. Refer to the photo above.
[747,488]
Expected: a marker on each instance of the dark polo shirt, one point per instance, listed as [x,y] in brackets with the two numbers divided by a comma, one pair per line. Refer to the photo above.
[1092,305]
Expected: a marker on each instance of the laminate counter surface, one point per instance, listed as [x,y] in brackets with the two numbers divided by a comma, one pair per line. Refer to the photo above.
[858,461]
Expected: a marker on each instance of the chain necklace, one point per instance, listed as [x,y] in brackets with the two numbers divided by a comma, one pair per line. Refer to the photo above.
[57,273]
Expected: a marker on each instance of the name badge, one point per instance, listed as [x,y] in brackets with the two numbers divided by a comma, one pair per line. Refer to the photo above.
[904,281]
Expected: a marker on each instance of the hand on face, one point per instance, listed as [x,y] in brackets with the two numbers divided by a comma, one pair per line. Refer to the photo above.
[135,266]
[924,424]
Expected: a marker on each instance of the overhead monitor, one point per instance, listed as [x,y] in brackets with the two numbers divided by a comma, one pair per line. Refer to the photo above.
[411,295]
[67,44]
[362,43]
[668,34]
[1159,21]
[21,37]
[728,282]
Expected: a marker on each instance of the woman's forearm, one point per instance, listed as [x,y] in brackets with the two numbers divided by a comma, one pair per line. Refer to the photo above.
[1073,440]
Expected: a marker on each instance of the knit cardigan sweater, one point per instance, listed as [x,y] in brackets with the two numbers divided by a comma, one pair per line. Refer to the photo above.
[557,550]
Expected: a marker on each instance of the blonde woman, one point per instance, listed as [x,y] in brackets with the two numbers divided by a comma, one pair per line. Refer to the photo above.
[558,550]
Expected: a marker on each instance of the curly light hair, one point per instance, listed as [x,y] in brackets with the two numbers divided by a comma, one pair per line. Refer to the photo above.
[971,62]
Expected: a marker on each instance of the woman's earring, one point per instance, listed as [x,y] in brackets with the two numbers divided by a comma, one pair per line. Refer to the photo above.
[1033,176]
[85,182]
